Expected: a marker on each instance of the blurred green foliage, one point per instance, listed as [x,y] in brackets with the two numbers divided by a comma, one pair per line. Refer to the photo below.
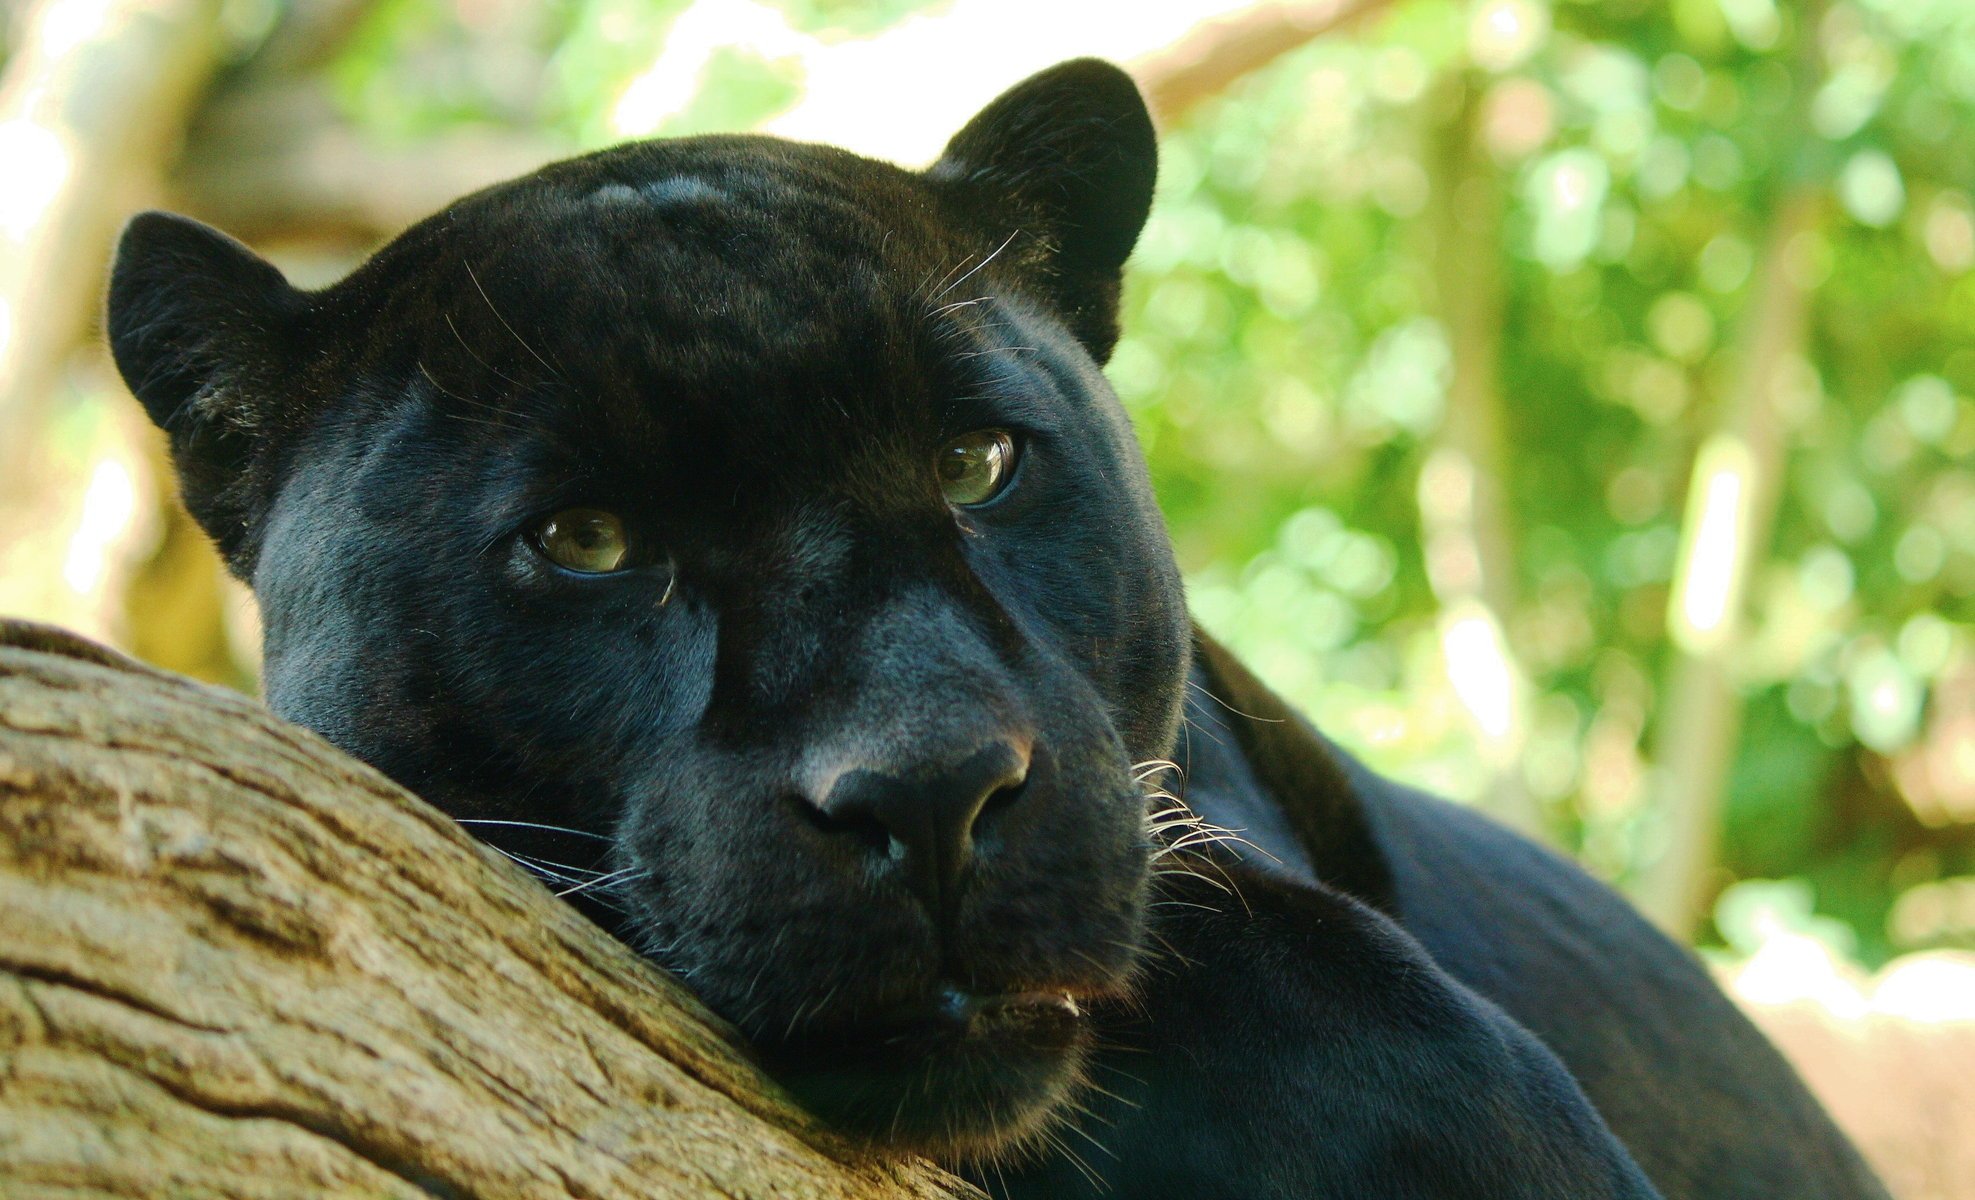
[1288,364]
[1287,369]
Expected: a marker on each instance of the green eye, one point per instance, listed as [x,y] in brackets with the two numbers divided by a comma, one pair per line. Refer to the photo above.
[586,540]
[974,467]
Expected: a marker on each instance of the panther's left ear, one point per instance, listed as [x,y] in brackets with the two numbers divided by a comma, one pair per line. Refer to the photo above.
[205,332]
[1068,158]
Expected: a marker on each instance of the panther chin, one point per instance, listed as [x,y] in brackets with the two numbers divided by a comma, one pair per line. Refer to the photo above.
[960,1077]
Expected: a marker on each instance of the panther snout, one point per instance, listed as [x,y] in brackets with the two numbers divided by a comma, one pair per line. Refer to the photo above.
[922,822]
[963,889]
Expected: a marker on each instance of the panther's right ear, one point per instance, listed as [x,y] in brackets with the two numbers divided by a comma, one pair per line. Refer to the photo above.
[1069,157]
[201,328]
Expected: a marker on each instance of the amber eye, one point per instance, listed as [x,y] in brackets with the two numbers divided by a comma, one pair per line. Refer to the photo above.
[589,541]
[974,467]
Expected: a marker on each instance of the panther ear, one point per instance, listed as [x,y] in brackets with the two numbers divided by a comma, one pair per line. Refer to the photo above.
[201,328]
[1069,157]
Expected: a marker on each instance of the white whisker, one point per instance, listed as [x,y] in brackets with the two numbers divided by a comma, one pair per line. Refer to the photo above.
[617,876]
[977,266]
[535,825]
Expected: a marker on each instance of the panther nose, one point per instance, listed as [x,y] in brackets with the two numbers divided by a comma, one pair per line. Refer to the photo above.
[924,821]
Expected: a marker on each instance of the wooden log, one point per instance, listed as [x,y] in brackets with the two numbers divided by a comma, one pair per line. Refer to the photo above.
[237,963]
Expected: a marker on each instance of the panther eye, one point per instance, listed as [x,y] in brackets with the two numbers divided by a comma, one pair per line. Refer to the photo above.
[588,541]
[974,467]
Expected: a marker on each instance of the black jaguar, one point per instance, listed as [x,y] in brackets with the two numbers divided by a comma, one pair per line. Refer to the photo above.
[751,524]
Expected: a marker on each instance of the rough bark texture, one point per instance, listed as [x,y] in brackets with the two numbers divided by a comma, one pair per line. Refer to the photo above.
[237,963]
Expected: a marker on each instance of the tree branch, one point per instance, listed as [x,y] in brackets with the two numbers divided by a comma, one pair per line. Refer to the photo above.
[1209,61]
[270,158]
[241,964]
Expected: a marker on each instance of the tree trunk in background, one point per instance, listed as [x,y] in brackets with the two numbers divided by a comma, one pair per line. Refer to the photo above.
[93,105]
[94,98]
[1726,528]
[1464,497]
[1728,523]
[240,964]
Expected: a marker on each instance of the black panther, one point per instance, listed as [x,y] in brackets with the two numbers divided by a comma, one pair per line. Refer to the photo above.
[745,531]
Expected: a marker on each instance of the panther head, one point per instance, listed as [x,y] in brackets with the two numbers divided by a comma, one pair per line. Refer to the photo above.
[757,513]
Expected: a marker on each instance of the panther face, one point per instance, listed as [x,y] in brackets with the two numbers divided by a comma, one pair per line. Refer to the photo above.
[759,514]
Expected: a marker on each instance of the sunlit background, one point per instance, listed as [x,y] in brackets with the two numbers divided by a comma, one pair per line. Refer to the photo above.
[1568,404]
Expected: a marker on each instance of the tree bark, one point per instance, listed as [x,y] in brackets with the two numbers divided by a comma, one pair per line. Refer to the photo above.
[239,964]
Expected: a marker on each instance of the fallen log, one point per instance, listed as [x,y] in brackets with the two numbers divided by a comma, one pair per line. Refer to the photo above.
[236,963]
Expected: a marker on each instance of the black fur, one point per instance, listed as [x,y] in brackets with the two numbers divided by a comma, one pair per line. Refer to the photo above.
[751,351]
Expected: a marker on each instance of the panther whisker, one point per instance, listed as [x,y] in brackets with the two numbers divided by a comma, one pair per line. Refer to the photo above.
[1149,958]
[977,266]
[898,1112]
[601,837]
[1202,831]
[957,304]
[997,350]
[490,368]
[1117,1070]
[1183,904]
[1231,708]
[1142,771]
[1092,1085]
[1175,871]
[1212,835]
[1061,1147]
[926,284]
[503,320]
[536,867]
[1089,1113]
[447,392]
[1073,1114]
[617,876]
[1225,883]
[994,1161]
[1194,831]
[1090,959]
[549,873]
[1187,846]
[568,872]
[1187,726]
[949,275]
[1178,817]
[803,1010]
